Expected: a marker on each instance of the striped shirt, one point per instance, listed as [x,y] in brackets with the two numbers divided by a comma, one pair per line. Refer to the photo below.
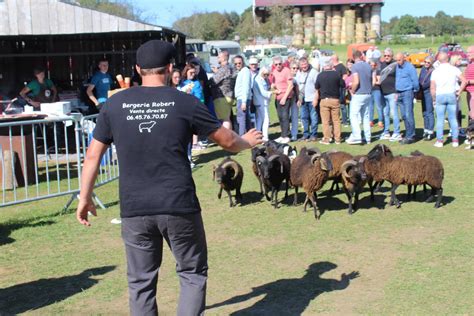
[469,74]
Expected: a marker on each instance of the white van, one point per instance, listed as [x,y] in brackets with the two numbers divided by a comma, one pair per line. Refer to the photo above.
[217,46]
[265,50]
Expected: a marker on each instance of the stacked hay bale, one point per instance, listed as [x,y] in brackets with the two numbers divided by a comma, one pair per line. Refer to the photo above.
[375,22]
[360,31]
[328,28]
[319,23]
[336,28]
[308,19]
[350,25]
[298,29]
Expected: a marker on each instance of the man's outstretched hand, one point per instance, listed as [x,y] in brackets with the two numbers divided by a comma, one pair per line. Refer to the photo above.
[85,206]
[253,137]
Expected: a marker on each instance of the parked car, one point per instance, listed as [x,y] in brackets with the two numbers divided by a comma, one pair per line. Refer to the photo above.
[454,49]
[417,57]
[216,46]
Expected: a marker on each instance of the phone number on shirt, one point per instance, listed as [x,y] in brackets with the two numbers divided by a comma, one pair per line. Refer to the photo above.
[146,117]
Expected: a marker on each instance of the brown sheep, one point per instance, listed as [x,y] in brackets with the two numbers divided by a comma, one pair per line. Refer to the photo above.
[337,159]
[353,177]
[412,170]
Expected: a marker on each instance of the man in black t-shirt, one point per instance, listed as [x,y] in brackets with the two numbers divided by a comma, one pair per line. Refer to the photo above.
[342,71]
[389,93]
[328,89]
[151,127]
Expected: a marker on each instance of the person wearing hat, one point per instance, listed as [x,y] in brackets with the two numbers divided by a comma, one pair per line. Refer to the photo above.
[151,126]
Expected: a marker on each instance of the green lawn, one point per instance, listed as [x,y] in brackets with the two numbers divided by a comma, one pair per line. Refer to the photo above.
[381,260]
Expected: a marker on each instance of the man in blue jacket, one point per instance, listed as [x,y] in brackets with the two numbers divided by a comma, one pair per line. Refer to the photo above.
[406,83]
[243,94]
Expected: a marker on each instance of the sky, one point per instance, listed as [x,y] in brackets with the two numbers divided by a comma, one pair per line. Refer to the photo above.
[165,12]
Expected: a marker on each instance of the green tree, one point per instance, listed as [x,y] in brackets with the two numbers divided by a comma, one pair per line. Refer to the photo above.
[277,22]
[406,25]
[207,26]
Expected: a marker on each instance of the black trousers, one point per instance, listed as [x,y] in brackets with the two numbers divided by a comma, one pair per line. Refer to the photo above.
[283,112]
[143,237]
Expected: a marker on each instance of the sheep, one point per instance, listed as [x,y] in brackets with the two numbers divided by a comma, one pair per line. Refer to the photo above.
[229,175]
[258,151]
[273,170]
[285,149]
[353,177]
[470,135]
[413,170]
[298,168]
[310,170]
[337,159]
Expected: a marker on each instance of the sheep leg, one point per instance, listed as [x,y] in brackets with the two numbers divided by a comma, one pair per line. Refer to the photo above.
[272,197]
[335,183]
[356,202]
[238,196]
[230,198]
[431,197]
[371,188]
[219,194]
[306,201]
[393,198]
[295,199]
[276,198]
[378,186]
[409,191]
[440,197]
[261,186]
[287,186]
[349,198]
[313,199]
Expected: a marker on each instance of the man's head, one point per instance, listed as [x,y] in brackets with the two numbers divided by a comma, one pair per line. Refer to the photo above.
[223,57]
[238,62]
[278,63]
[303,63]
[388,55]
[103,65]
[400,59]
[335,59]
[253,64]
[155,57]
[327,64]
[357,55]
[428,62]
[470,53]
[39,73]
[443,57]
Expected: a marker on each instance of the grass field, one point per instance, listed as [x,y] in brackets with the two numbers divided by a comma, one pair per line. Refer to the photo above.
[381,260]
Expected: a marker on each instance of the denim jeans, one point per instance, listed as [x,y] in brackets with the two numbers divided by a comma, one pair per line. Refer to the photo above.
[243,117]
[446,102]
[283,112]
[405,100]
[390,109]
[294,114]
[376,102]
[359,110]
[309,116]
[427,110]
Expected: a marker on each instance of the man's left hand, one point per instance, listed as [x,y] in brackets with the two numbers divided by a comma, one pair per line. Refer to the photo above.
[85,206]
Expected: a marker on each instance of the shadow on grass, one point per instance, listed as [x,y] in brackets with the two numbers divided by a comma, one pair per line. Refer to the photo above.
[206,157]
[34,295]
[252,197]
[291,296]
[9,227]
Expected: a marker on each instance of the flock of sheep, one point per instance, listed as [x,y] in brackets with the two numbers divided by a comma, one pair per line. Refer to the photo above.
[274,164]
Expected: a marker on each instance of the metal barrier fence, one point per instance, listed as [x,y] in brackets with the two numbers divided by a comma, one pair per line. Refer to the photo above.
[41,159]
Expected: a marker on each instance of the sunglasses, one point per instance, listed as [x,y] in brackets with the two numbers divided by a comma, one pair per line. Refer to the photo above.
[278,64]
[387,55]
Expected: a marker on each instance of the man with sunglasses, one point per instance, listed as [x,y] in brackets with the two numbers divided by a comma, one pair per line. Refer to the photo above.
[389,100]
[243,94]
[282,81]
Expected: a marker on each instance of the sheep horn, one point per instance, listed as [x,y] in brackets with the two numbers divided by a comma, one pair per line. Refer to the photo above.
[362,159]
[346,165]
[233,165]
[314,158]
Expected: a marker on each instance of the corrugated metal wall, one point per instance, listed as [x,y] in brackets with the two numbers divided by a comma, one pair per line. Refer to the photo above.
[30,17]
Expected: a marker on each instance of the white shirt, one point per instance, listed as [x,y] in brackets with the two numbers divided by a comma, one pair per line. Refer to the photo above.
[445,77]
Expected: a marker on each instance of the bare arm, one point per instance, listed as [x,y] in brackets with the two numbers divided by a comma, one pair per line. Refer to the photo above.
[433,91]
[287,92]
[355,83]
[23,93]
[232,142]
[89,174]
[90,94]
[463,84]
[316,99]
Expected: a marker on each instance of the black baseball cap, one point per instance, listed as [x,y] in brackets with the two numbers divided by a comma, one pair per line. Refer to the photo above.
[155,54]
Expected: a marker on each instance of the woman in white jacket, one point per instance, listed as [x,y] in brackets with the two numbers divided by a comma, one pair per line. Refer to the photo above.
[261,97]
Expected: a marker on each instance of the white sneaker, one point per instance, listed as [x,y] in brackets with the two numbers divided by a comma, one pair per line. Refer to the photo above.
[278,140]
[116,221]
[285,140]
[455,144]
[396,138]
[352,141]
[438,144]
[385,136]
